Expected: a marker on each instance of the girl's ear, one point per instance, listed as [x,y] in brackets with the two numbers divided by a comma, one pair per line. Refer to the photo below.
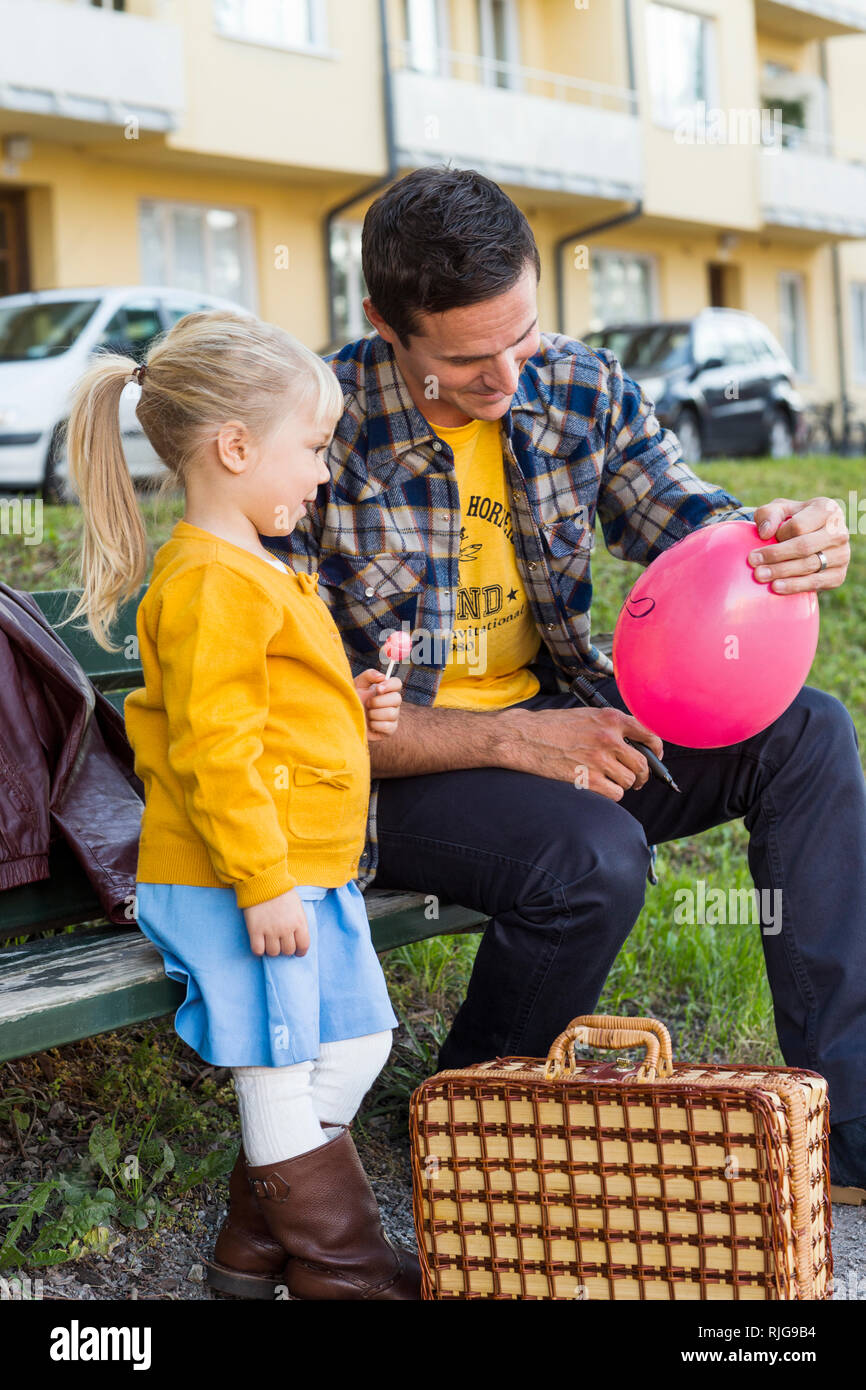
[234,446]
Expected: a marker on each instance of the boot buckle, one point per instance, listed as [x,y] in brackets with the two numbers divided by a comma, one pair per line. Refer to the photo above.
[273,1186]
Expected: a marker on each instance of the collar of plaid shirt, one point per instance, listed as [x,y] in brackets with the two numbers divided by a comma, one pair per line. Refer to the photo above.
[580,441]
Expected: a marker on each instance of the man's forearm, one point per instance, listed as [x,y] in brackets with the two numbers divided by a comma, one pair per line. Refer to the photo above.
[439,740]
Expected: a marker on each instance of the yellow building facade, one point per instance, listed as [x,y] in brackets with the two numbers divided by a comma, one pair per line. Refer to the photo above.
[668,155]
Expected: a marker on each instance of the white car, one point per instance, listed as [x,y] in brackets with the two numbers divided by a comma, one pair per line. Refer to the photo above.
[47,339]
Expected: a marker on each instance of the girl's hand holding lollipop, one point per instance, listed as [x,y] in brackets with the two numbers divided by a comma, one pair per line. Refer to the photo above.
[380,692]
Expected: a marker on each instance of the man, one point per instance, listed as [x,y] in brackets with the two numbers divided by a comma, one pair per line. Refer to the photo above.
[474,454]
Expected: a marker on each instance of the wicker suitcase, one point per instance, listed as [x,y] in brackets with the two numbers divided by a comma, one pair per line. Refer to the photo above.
[613,1180]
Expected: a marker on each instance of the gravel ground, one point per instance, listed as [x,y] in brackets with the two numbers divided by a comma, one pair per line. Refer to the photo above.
[169,1265]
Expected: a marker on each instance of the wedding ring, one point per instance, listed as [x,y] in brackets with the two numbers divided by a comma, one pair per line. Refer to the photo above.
[823,558]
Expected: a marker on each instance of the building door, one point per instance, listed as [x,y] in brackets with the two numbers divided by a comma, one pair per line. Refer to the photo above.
[723,285]
[14,271]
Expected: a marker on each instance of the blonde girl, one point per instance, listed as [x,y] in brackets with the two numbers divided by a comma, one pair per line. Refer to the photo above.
[250,736]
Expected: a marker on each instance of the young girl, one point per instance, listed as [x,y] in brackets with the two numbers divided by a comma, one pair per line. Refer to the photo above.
[251,739]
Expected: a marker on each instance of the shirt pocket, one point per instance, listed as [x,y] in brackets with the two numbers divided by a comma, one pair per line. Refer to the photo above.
[569,545]
[372,595]
[320,801]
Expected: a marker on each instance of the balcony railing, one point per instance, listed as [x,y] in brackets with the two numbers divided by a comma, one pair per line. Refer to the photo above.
[86,63]
[518,124]
[810,182]
[811,19]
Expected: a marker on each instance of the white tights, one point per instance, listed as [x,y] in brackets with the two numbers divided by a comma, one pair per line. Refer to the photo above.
[281,1107]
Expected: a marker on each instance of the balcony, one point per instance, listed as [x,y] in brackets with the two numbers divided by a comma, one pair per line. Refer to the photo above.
[518,125]
[805,185]
[78,64]
[811,19]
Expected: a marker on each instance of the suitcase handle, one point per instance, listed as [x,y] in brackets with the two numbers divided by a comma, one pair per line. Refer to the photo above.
[608,1030]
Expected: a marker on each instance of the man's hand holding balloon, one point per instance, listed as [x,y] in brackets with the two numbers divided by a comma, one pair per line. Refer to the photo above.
[807,534]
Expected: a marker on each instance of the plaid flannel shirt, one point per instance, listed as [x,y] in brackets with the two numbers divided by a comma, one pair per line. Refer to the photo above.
[579,441]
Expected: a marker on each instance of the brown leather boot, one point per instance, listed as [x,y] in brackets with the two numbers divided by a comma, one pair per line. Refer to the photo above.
[321,1208]
[247,1261]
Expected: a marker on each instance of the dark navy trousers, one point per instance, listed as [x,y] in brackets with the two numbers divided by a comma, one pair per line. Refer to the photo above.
[562,873]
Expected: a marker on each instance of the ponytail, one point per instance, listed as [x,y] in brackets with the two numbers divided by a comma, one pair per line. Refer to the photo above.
[114,543]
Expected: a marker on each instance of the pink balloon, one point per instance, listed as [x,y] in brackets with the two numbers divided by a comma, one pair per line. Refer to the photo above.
[704,654]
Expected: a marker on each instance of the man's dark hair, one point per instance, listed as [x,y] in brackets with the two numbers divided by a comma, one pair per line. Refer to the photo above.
[438,239]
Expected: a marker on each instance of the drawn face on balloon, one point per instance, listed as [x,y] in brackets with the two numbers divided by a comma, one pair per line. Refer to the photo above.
[640,607]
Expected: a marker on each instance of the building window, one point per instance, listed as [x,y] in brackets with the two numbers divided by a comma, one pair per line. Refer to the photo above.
[858,322]
[682,62]
[498,43]
[792,320]
[191,247]
[623,289]
[277,23]
[350,288]
[426,26]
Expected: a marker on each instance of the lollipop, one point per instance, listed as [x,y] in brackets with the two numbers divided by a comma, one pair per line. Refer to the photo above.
[397,649]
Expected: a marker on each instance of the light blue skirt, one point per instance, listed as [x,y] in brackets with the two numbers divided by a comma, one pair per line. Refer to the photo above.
[243,1010]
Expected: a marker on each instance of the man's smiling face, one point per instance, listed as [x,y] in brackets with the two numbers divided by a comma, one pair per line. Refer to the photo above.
[470,357]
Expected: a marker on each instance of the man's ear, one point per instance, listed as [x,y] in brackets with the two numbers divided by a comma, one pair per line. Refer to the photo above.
[375,318]
[382,328]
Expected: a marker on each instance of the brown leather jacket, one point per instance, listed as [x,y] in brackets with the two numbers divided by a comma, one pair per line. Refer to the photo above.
[66,769]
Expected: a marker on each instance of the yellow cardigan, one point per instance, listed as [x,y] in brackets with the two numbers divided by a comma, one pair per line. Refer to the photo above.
[249,735]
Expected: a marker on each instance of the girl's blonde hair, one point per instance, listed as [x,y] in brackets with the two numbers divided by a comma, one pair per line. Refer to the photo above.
[208,368]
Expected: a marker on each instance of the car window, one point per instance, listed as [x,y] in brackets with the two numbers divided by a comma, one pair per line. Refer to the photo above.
[709,341]
[657,347]
[738,346]
[177,310]
[46,329]
[771,347]
[132,328]
[757,342]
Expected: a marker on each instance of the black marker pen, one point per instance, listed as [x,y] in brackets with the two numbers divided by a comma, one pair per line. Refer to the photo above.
[583,689]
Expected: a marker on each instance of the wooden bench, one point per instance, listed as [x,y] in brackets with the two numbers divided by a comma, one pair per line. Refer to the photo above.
[97,977]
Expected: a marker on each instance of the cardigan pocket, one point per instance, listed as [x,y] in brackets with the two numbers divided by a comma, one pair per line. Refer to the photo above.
[320,801]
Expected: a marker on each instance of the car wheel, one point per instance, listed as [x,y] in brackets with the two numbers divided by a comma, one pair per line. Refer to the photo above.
[687,429]
[780,438]
[53,489]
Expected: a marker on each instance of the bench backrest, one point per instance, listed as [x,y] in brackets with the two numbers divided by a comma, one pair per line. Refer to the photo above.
[66,898]
[114,673]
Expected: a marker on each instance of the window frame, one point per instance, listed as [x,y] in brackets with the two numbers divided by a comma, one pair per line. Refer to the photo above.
[248,256]
[608,253]
[663,118]
[352,227]
[858,318]
[443,30]
[801,361]
[486,45]
[317,47]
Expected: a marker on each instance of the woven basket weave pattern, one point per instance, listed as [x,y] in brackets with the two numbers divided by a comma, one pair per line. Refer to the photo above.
[710,1184]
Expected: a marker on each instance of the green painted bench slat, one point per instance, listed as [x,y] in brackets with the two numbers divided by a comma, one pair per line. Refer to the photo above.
[74,986]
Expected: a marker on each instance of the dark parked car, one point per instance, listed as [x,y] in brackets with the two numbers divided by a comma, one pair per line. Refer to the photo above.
[720,381]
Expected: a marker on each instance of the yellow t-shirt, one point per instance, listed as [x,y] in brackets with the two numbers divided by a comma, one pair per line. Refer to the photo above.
[495,636]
